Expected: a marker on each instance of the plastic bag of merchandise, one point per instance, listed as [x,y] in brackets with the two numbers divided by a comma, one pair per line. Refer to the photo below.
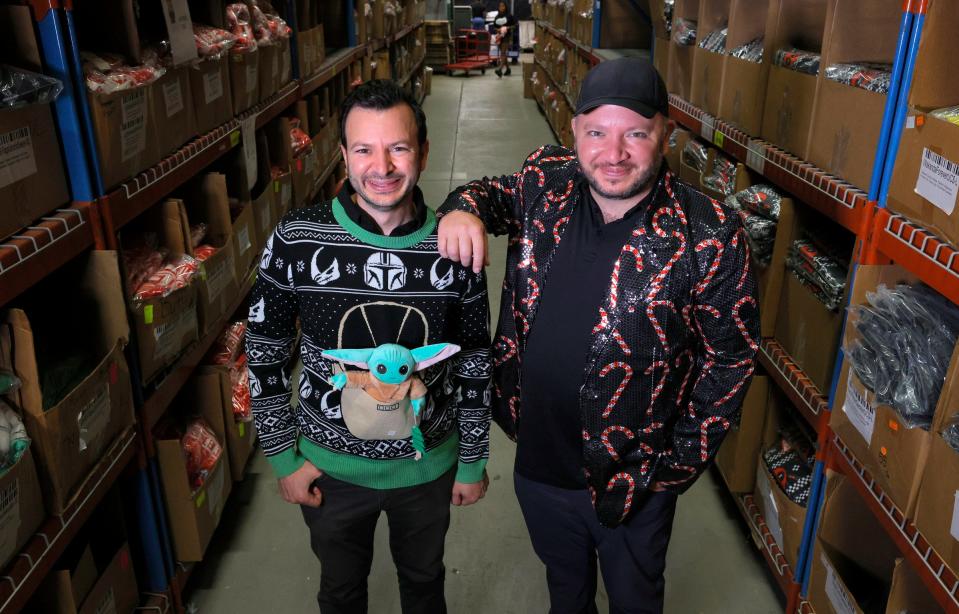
[13,437]
[949,114]
[240,379]
[20,87]
[760,234]
[715,41]
[750,52]
[228,345]
[695,155]
[761,199]
[722,179]
[202,451]
[240,22]
[798,60]
[107,73]
[867,76]
[820,272]
[212,42]
[302,144]
[668,7]
[951,433]
[684,32]
[203,252]
[169,278]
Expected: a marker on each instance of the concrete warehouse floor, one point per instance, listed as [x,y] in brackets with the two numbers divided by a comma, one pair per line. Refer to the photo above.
[260,559]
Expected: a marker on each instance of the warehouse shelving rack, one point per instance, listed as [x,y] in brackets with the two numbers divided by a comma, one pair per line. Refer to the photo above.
[92,221]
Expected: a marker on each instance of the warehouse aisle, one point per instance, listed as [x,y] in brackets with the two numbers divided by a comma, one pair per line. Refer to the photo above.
[260,560]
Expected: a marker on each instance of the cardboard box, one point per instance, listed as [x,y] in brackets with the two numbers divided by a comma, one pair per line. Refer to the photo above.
[741,180]
[737,457]
[791,95]
[173,110]
[675,152]
[319,47]
[892,452]
[680,62]
[125,133]
[212,94]
[71,436]
[282,195]
[193,516]
[847,120]
[21,507]
[853,560]
[908,593]
[707,82]
[78,589]
[284,51]
[304,53]
[217,287]
[661,57]
[770,278]
[244,80]
[244,235]
[212,385]
[263,216]
[690,174]
[269,71]
[744,83]
[29,142]
[808,331]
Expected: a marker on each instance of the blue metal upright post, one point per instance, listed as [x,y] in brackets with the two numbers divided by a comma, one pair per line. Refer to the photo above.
[57,60]
[83,107]
[157,573]
[811,527]
[597,23]
[350,24]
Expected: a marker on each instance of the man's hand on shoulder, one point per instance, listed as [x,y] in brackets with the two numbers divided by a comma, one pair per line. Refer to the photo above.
[468,494]
[462,238]
[297,488]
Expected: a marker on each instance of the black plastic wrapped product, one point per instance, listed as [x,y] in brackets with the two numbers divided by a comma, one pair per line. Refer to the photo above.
[684,32]
[674,137]
[951,435]
[715,41]
[798,60]
[819,272]
[791,472]
[760,199]
[668,7]
[722,179]
[760,234]
[871,77]
[20,87]
[751,51]
[907,337]
[695,154]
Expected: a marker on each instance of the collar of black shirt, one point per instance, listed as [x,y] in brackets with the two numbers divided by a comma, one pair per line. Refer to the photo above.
[366,222]
[597,215]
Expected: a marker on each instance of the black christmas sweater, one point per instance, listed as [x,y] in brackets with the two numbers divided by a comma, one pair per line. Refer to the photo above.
[353,288]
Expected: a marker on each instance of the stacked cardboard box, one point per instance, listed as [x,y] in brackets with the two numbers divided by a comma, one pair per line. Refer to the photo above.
[439,43]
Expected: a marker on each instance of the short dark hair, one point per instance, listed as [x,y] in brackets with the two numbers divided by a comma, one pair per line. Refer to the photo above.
[380,95]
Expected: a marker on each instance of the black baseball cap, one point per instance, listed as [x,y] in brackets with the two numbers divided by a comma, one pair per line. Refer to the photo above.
[626,82]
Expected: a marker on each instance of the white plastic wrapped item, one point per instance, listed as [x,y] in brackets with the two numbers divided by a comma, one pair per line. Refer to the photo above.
[13,437]
[106,72]
[684,32]
[949,114]
[212,43]
[750,52]
[907,337]
[668,7]
[722,178]
[867,76]
[715,41]
[20,87]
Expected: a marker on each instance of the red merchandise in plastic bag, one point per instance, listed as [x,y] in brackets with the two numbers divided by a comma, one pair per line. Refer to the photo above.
[203,252]
[212,42]
[140,263]
[170,277]
[302,144]
[239,22]
[107,72]
[229,344]
[240,378]
[267,25]
[202,451]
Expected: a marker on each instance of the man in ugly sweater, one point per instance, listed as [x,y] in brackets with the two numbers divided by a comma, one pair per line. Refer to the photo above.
[360,272]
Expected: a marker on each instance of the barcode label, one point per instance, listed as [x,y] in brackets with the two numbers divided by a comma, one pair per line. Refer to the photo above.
[755,156]
[938,180]
[707,127]
[16,156]
[133,125]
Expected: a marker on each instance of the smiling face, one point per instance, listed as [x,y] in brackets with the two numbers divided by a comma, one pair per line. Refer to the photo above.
[619,150]
[383,157]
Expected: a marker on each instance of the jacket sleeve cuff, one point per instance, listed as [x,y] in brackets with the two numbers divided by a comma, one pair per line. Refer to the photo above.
[470,473]
[286,462]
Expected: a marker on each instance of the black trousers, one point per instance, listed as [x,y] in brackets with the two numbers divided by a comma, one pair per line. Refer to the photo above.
[341,535]
[567,537]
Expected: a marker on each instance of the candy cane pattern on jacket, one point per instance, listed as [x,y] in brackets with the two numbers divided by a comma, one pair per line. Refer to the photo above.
[615,429]
[533,296]
[630,487]
[559,222]
[750,367]
[622,342]
[719,210]
[704,434]
[628,375]
[658,390]
[739,321]
[538,224]
[657,283]
[714,267]
[529,260]
[688,469]
[507,346]
[552,197]
[614,284]
[650,313]
[603,321]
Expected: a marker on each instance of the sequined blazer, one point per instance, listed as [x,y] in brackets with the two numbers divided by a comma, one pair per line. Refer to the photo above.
[675,340]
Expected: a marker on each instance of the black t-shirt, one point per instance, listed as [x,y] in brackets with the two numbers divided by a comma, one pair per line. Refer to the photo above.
[550,444]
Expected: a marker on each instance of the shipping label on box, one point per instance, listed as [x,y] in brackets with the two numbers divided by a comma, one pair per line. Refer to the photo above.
[173,98]
[769,506]
[212,86]
[168,337]
[860,410]
[133,124]
[219,275]
[252,77]
[94,419]
[938,180]
[842,602]
[17,160]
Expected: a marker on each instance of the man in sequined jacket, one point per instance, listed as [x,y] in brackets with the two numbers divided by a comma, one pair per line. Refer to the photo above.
[626,340]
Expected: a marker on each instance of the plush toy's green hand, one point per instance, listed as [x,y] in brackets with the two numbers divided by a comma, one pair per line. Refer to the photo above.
[339,381]
[418,405]
[419,443]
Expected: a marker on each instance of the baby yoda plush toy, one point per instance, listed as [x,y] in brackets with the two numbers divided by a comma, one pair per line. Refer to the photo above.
[391,376]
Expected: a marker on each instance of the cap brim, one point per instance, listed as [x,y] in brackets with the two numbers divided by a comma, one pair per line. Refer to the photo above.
[633,105]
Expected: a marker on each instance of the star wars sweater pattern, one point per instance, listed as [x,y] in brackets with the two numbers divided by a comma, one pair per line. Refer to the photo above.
[675,339]
[345,290]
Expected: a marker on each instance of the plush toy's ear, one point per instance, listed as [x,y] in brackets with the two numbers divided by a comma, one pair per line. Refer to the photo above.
[357,358]
[432,354]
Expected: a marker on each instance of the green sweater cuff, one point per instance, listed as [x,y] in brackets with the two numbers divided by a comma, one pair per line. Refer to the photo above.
[470,473]
[286,462]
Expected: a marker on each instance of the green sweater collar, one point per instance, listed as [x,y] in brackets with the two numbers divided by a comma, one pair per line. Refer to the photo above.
[377,240]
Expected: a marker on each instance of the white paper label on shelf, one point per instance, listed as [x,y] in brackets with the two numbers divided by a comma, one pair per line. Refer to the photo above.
[860,412]
[954,528]
[167,336]
[212,86]
[755,156]
[772,511]
[248,134]
[9,519]
[94,418]
[16,156]
[214,490]
[938,180]
[252,76]
[173,98]
[841,602]
[179,26]
[219,276]
[108,605]
[707,127]
[133,124]
[243,239]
